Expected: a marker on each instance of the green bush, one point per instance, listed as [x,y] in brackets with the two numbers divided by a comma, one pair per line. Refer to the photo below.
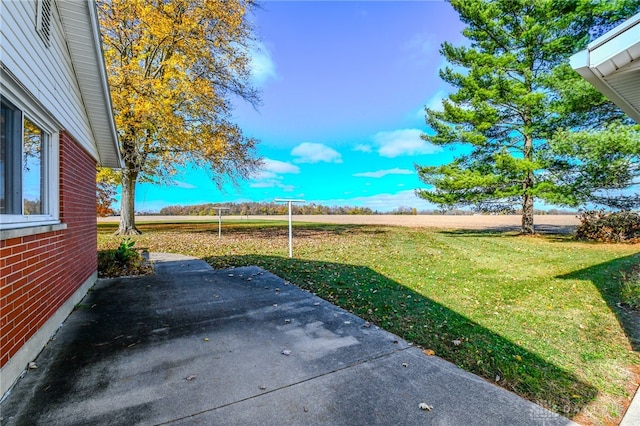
[610,227]
[123,261]
[125,252]
[630,288]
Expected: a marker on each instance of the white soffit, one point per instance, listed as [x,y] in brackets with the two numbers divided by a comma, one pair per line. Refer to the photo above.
[611,63]
[82,33]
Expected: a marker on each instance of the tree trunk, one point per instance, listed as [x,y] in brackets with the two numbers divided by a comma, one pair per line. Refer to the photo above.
[527,214]
[527,186]
[127,204]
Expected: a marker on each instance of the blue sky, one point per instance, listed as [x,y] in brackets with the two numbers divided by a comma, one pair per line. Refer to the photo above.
[344,85]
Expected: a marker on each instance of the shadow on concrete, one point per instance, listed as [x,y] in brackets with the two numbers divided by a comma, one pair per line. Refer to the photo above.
[606,277]
[191,345]
[450,335]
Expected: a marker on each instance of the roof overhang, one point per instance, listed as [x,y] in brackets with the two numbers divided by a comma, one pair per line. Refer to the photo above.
[82,30]
[610,63]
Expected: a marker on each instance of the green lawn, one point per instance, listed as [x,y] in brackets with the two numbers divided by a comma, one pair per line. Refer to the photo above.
[538,315]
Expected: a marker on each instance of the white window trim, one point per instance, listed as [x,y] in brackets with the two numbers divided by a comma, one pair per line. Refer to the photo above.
[22,99]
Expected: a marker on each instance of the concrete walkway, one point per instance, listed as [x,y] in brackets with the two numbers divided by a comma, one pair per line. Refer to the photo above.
[190,345]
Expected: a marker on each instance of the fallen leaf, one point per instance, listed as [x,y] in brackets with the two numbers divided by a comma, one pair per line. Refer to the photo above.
[429,352]
[425,407]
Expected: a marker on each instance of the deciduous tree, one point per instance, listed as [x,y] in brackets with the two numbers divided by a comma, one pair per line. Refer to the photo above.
[174,68]
[517,106]
[107,181]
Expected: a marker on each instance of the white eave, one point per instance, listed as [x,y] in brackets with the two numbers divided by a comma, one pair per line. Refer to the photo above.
[611,64]
[82,33]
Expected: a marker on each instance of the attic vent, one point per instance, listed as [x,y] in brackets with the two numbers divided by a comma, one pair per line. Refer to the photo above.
[43,20]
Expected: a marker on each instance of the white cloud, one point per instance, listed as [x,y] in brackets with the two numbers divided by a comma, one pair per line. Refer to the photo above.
[181,184]
[269,175]
[272,183]
[272,168]
[263,184]
[434,102]
[382,173]
[277,166]
[262,66]
[308,152]
[403,142]
[362,148]
[382,202]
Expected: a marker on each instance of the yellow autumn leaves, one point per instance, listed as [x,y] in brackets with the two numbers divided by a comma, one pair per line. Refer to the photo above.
[173,67]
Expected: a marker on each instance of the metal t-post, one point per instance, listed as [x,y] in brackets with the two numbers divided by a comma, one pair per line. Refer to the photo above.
[289,203]
[220,220]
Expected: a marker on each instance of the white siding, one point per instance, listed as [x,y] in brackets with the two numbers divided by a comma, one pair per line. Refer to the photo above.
[45,72]
[609,63]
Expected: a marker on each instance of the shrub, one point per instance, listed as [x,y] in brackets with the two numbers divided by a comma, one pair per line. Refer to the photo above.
[610,227]
[630,288]
[123,261]
[125,252]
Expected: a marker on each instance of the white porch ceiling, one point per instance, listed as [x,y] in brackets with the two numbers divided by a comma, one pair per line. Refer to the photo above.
[611,64]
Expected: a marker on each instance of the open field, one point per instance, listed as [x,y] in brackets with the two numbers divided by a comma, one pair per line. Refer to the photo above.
[540,316]
[544,223]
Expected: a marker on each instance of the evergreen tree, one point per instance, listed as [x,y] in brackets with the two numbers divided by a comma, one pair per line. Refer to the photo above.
[518,106]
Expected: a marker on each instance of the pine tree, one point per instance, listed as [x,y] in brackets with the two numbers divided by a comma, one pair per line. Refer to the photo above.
[517,100]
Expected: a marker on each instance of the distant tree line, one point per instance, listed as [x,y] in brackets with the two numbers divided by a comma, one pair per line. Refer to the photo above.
[265,208]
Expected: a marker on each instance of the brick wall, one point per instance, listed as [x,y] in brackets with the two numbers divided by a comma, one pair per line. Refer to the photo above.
[38,273]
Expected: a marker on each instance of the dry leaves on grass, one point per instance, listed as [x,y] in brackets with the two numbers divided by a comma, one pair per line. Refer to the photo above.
[110,267]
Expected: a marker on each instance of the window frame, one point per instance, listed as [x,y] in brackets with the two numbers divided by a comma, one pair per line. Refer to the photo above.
[35,113]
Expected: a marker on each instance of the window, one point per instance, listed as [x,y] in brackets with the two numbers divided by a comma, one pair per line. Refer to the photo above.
[26,169]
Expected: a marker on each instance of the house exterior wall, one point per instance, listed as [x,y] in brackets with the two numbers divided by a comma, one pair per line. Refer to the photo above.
[47,72]
[42,276]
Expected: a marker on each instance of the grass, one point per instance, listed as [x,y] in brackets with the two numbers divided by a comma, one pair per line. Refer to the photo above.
[540,316]
[630,289]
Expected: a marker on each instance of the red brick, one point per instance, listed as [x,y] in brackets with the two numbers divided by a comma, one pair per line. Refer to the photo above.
[39,272]
[12,242]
